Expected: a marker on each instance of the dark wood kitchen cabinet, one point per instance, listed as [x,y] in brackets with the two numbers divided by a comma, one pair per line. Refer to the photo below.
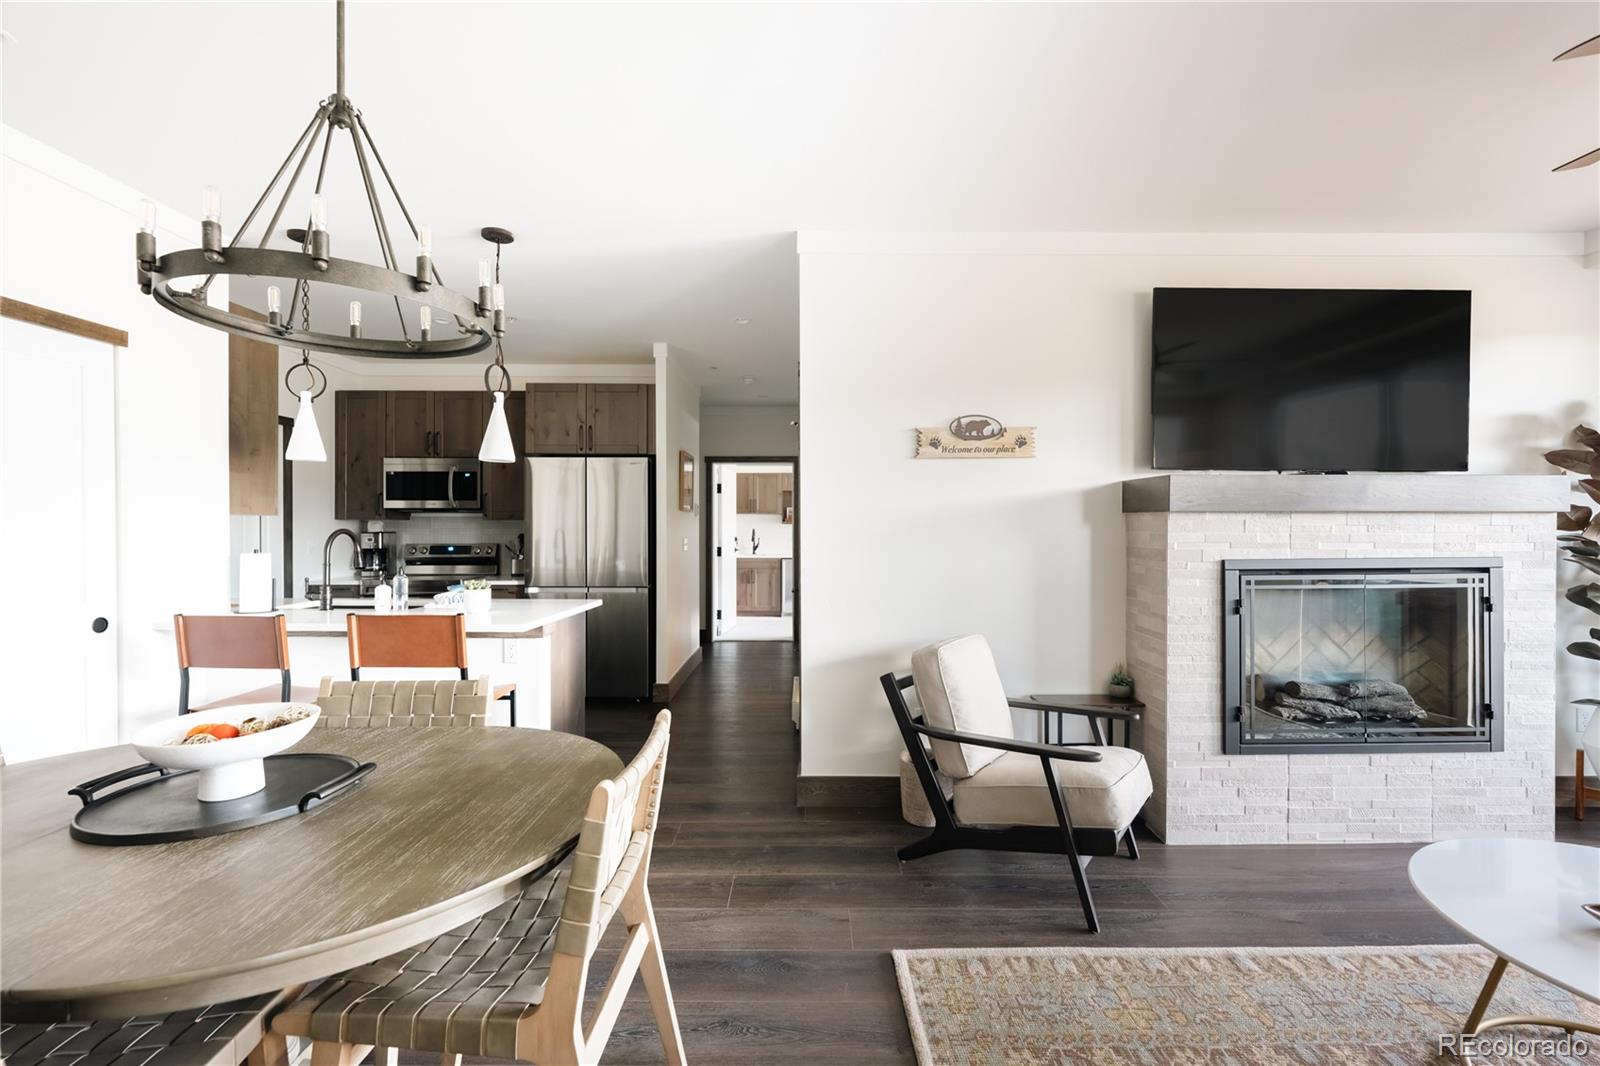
[619,419]
[555,415]
[503,482]
[360,438]
[459,419]
[446,424]
[410,424]
[600,418]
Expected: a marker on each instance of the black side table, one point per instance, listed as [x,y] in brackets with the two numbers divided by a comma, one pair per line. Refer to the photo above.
[1093,707]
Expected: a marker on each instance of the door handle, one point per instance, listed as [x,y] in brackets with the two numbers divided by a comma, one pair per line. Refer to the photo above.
[100,625]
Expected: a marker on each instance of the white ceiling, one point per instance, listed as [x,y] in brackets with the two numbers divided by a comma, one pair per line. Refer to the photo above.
[656,160]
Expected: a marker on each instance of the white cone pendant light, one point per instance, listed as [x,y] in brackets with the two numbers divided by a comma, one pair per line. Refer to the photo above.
[497,437]
[305,443]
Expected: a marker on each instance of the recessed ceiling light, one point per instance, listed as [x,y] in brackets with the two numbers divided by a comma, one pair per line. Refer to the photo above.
[748,380]
[741,321]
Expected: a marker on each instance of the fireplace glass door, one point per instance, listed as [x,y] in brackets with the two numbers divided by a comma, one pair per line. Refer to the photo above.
[1330,659]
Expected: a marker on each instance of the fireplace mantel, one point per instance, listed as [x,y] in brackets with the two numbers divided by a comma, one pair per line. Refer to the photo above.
[1387,493]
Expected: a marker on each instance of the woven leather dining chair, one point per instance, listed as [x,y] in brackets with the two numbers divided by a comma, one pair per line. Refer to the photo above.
[379,704]
[235,642]
[227,1034]
[417,641]
[510,985]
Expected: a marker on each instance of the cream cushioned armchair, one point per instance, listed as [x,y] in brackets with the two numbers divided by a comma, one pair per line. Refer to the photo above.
[1006,794]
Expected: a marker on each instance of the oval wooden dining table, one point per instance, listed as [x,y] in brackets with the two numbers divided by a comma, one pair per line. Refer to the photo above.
[452,823]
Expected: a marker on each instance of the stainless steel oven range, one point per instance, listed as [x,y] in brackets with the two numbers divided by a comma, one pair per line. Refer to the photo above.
[434,567]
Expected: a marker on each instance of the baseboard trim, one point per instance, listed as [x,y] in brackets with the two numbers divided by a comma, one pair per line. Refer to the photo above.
[1565,789]
[834,791]
[664,693]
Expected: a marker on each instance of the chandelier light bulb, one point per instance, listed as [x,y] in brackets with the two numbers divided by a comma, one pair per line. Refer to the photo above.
[305,442]
[424,240]
[147,216]
[425,320]
[319,211]
[355,313]
[496,446]
[499,297]
[274,300]
[211,204]
[485,273]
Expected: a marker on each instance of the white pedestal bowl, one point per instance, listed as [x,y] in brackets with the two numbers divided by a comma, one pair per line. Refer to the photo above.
[228,768]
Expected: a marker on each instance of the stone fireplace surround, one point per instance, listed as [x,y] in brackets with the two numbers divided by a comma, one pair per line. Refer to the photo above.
[1179,529]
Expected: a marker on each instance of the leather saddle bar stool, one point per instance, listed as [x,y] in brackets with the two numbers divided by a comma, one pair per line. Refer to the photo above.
[236,642]
[415,641]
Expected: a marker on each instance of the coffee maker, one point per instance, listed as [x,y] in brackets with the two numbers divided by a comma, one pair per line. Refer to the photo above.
[376,554]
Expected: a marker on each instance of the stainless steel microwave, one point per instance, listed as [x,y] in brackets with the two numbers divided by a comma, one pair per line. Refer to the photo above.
[432,485]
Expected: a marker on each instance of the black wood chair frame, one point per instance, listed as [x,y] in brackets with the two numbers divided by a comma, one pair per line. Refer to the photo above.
[949,834]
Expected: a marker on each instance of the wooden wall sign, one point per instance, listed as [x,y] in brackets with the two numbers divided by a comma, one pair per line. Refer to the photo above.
[975,437]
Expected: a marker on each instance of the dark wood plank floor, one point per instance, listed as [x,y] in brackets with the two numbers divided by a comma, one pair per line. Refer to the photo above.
[778,923]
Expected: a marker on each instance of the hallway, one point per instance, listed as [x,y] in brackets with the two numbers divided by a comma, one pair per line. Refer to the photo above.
[778,922]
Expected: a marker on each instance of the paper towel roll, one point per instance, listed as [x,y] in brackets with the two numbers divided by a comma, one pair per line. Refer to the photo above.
[255,583]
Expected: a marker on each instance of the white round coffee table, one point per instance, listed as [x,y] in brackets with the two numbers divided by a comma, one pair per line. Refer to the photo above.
[1523,900]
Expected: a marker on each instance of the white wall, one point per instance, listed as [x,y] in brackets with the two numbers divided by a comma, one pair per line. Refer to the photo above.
[896,334]
[756,430]
[68,246]
[678,542]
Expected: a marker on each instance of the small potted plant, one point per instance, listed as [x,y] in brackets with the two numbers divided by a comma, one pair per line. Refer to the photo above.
[476,596]
[1121,684]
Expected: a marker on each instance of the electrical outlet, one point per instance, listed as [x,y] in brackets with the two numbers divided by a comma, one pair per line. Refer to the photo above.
[685,543]
[510,650]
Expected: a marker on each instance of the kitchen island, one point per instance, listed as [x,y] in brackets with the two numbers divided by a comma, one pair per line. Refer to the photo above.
[539,645]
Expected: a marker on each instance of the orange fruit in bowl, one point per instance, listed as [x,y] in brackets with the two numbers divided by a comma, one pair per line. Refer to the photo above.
[220,730]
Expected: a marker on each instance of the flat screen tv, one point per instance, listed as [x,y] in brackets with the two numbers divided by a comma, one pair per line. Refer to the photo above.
[1310,379]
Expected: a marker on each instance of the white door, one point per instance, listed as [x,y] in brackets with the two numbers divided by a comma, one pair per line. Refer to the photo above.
[58,531]
[725,585]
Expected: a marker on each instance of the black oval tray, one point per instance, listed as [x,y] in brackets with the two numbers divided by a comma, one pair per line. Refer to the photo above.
[168,807]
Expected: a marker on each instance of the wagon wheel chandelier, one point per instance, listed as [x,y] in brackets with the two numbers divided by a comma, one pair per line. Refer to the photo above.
[479,323]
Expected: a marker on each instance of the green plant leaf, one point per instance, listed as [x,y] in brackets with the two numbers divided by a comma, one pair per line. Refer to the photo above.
[1584,649]
[1579,546]
[1578,460]
[1585,596]
[1589,438]
[1588,701]
[1592,565]
[1595,633]
[1592,487]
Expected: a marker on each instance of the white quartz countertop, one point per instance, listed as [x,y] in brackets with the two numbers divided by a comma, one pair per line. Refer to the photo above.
[505,618]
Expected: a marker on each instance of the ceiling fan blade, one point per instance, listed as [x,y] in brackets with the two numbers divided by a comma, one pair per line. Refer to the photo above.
[1588,159]
[1591,47]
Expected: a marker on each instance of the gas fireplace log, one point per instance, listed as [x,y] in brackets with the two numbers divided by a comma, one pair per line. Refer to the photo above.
[1312,690]
[1379,708]
[1315,710]
[1358,690]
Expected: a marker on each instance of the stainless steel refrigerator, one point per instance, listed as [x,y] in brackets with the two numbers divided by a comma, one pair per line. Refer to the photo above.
[589,538]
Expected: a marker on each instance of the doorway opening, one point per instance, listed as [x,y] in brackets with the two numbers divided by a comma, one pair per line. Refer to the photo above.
[753,542]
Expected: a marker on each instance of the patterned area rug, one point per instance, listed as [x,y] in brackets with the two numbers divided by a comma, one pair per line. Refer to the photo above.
[1359,1006]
